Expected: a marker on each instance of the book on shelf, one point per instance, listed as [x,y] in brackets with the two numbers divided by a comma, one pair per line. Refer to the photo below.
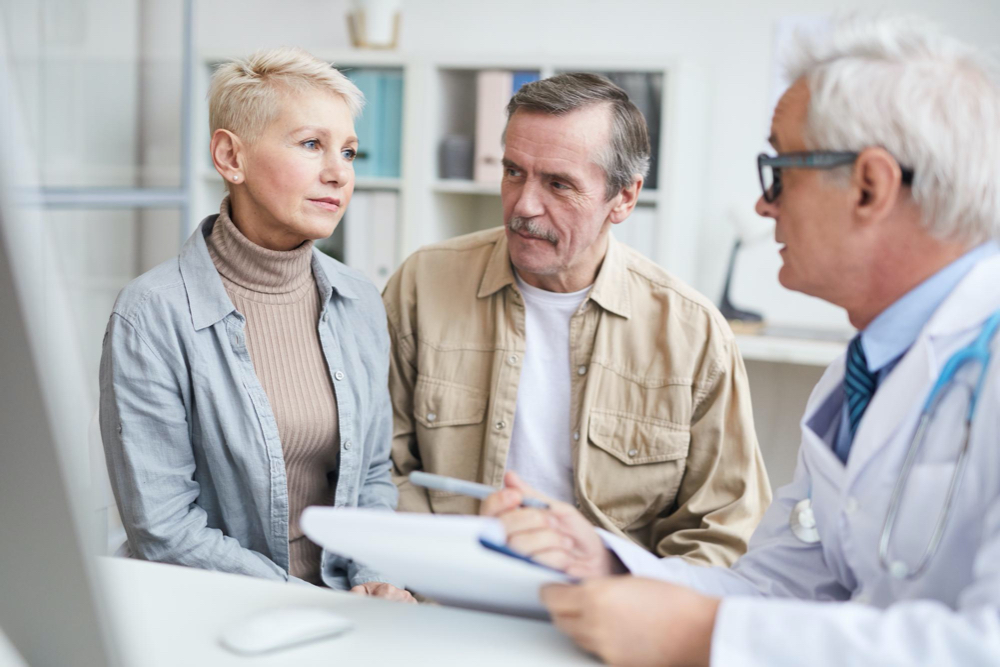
[645,89]
[391,124]
[493,91]
[370,234]
[522,77]
[379,127]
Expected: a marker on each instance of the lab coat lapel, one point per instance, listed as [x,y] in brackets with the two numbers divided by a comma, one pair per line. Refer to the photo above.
[905,389]
[972,302]
[816,449]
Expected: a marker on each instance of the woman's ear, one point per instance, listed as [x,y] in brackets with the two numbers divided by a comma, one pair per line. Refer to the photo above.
[227,155]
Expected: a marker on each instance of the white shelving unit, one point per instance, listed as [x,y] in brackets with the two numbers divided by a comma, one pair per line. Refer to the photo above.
[671,212]
[439,96]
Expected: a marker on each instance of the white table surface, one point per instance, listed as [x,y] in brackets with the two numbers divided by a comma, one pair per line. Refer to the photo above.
[169,615]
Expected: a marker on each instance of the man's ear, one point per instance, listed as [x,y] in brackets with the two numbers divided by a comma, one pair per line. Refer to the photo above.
[876,181]
[227,156]
[626,201]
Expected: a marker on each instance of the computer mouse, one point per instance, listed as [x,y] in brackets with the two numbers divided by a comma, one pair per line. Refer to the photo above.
[276,629]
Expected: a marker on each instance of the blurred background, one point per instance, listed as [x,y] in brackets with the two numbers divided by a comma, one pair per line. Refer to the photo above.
[113,93]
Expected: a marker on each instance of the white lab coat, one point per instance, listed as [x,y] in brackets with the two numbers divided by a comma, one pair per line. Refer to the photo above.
[948,616]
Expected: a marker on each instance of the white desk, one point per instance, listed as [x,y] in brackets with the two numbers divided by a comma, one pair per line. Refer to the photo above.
[170,616]
[782,350]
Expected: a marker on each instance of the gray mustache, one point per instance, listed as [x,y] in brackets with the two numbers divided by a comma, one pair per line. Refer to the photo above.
[529,226]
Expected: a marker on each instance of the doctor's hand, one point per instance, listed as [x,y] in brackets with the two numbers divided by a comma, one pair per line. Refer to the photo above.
[559,537]
[629,621]
[378,589]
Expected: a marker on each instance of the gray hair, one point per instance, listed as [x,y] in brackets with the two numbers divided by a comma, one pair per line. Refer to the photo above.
[626,156]
[928,99]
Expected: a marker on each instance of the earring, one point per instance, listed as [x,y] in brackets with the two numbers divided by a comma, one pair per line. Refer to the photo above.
[236,177]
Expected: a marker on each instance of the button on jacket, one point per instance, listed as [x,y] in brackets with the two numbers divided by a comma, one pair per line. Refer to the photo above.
[190,439]
[664,446]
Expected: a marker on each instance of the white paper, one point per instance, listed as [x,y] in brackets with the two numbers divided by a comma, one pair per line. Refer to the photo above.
[437,556]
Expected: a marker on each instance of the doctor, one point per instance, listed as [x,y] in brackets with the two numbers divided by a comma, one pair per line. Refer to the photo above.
[886,195]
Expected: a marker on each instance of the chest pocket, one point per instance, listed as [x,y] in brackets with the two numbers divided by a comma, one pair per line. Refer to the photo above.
[450,421]
[635,465]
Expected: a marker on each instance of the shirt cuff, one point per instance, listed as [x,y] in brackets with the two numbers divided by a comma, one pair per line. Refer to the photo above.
[641,563]
[768,632]
[360,574]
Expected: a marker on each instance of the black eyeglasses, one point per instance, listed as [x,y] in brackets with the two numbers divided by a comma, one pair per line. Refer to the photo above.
[769,167]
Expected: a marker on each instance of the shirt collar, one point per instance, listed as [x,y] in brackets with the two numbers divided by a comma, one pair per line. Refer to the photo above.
[499,272]
[610,289]
[207,296]
[331,278]
[896,328]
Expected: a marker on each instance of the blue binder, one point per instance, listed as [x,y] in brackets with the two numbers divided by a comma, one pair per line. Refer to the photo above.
[380,126]
[391,124]
[521,78]
[366,125]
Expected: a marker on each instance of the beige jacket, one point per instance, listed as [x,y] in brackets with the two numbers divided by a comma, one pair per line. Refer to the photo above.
[665,451]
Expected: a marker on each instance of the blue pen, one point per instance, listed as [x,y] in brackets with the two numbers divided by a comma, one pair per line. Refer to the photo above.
[462,487]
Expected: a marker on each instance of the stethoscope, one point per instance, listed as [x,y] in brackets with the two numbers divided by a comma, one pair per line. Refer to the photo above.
[802,520]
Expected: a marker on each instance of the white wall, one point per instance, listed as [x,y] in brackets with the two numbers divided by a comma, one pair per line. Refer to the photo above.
[731,40]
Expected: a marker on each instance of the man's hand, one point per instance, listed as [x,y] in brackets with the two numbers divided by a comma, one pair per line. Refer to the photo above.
[629,621]
[385,591]
[559,537]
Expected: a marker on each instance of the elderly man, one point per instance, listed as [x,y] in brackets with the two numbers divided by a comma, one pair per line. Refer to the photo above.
[886,195]
[546,348]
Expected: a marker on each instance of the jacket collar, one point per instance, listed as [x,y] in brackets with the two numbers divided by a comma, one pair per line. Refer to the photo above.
[207,297]
[610,291]
[498,273]
[971,302]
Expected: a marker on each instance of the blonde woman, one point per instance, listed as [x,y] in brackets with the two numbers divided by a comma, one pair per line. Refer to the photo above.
[247,378]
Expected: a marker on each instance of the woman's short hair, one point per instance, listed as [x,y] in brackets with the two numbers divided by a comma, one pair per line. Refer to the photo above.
[928,99]
[627,155]
[245,94]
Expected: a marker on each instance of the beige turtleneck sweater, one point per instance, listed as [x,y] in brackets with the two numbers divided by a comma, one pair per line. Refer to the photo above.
[277,294]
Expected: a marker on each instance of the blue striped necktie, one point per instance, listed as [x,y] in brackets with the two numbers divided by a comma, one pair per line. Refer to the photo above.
[859,384]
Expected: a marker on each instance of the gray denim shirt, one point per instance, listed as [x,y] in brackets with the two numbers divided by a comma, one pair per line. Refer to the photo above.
[191,442]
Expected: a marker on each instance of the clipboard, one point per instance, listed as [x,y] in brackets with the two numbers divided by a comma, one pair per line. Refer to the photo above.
[460,561]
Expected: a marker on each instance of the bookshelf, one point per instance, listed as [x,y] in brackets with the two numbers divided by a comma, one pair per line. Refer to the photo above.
[439,99]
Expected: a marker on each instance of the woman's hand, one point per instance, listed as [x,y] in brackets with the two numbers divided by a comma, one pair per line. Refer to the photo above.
[378,589]
[559,537]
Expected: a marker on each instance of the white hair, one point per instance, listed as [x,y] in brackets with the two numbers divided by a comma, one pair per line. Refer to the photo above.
[929,100]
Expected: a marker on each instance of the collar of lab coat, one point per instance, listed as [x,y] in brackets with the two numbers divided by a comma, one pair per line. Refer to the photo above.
[971,303]
[901,395]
